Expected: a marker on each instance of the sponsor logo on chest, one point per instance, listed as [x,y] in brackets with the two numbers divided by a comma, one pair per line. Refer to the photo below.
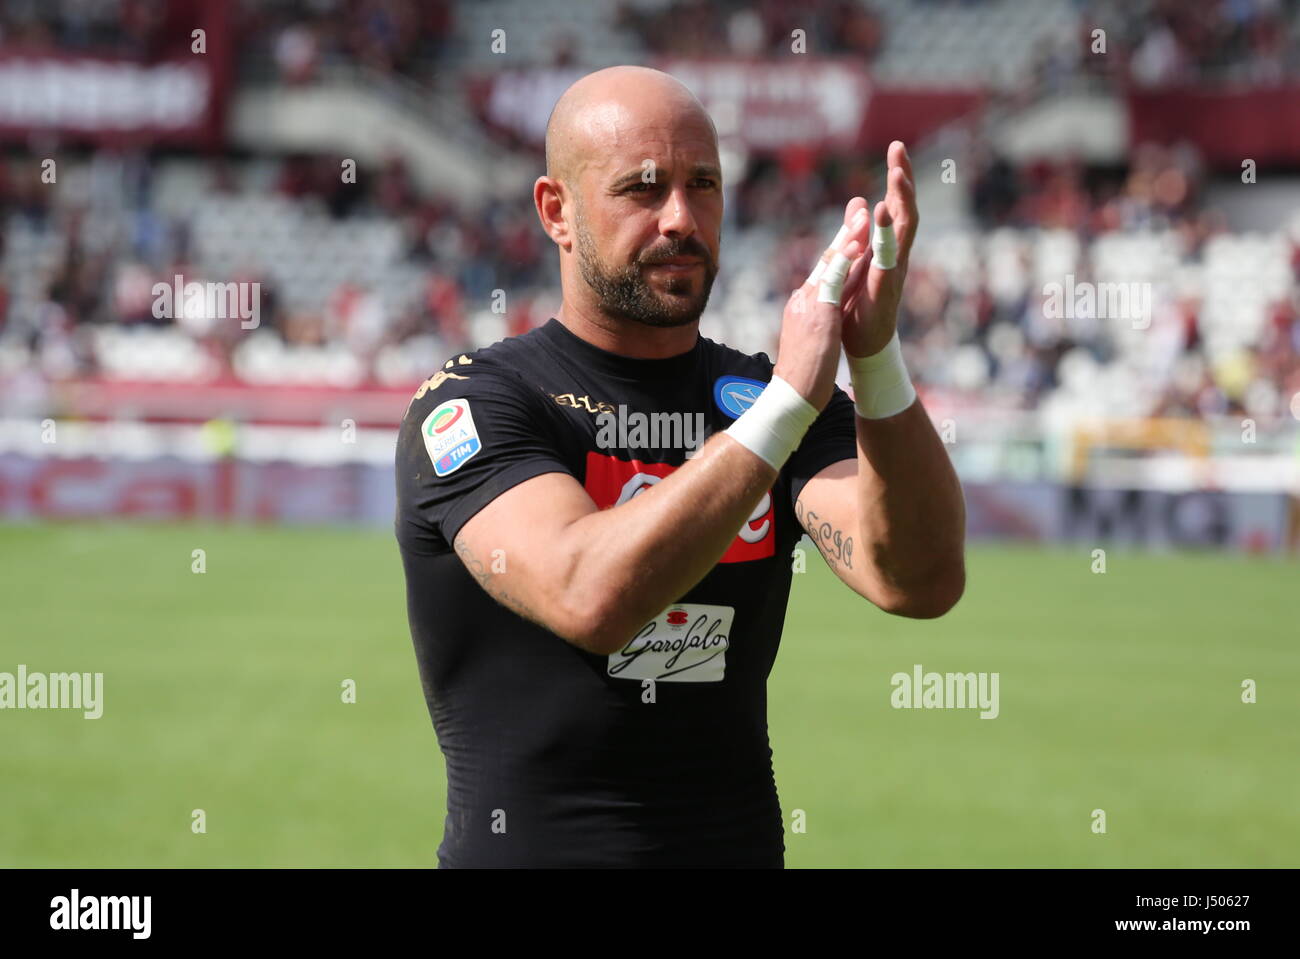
[686,643]
[611,481]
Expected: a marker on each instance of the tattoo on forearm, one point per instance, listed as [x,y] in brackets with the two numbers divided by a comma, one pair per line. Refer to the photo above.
[833,544]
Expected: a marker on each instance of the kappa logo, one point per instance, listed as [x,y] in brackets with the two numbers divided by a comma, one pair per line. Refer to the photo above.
[581,403]
[611,481]
[450,436]
[735,394]
[435,381]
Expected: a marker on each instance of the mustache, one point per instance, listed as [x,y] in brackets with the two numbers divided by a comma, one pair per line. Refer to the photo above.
[675,248]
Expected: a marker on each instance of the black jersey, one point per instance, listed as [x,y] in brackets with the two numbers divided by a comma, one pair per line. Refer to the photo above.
[656,755]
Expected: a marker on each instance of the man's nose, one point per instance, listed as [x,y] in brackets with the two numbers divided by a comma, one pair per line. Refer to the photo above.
[675,218]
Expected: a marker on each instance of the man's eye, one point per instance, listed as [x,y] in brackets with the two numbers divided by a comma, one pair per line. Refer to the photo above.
[641,187]
[705,182]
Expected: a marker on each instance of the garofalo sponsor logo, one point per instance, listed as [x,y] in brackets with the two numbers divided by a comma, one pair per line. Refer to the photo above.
[686,643]
[34,690]
[75,911]
[631,430]
[922,690]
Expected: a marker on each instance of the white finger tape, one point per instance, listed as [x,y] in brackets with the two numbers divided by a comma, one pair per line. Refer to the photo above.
[820,268]
[822,264]
[884,247]
[833,283]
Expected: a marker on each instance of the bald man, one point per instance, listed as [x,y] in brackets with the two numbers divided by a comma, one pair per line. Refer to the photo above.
[596,593]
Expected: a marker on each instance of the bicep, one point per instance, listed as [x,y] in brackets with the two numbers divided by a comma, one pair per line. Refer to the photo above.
[518,549]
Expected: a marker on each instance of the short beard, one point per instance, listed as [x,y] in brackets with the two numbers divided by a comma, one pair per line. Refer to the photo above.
[624,292]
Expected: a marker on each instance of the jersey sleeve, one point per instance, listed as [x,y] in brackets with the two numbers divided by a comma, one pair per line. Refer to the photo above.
[832,437]
[470,434]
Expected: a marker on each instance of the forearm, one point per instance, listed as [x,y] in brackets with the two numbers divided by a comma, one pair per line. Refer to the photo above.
[633,560]
[911,514]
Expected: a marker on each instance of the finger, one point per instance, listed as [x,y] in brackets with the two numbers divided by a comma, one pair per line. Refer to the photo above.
[853,229]
[901,198]
[859,229]
[857,279]
[897,156]
[884,242]
[900,188]
[831,288]
[846,233]
[852,207]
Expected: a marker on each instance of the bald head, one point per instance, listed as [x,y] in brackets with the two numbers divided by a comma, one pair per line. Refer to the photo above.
[611,103]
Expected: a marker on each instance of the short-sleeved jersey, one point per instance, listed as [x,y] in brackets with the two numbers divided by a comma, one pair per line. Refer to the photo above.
[658,754]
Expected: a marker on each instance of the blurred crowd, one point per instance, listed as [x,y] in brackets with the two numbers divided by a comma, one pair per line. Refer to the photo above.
[1172,41]
[130,28]
[298,36]
[987,330]
[973,333]
[83,267]
[391,36]
[1148,42]
[96,264]
[766,28]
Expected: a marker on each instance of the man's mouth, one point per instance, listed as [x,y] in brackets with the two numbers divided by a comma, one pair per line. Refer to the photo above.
[681,264]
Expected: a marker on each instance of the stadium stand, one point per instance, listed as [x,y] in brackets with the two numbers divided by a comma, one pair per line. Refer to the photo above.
[371,284]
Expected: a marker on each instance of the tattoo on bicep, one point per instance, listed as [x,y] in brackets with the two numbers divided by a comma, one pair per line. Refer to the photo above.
[492,584]
[831,542]
[472,562]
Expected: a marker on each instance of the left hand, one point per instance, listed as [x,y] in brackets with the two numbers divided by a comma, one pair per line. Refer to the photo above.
[871,295]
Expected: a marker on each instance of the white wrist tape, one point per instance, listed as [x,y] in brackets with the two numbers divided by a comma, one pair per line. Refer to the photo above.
[832,286]
[881,386]
[775,424]
[884,247]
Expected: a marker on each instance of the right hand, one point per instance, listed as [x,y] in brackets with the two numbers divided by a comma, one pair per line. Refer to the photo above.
[808,353]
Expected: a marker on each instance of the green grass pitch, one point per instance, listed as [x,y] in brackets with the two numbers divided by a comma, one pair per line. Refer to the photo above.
[1119,692]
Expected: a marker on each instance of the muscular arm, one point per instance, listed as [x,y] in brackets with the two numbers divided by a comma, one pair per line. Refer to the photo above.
[596,576]
[892,523]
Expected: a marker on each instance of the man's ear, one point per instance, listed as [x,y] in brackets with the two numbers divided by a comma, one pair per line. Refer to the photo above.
[549,196]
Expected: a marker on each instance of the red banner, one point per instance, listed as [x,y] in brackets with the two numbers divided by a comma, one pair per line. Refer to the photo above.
[775,105]
[176,98]
[819,104]
[1226,126]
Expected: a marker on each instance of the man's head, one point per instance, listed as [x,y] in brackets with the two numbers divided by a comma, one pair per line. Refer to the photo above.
[633,196]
